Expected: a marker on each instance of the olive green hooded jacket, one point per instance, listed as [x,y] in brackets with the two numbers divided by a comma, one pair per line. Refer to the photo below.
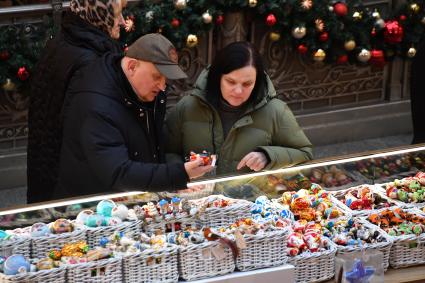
[269,126]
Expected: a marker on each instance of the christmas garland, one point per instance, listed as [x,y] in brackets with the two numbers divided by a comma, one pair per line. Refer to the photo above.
[328,31]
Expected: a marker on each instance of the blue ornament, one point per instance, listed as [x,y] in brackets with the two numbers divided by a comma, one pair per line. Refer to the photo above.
[256,208]
[4,235]
[175,200]
[94,220]
[359,273]
[350,222]
[262,200]
[105,207]
[257,217]
[286,213]
[103,241]
[15,264]
[39,229]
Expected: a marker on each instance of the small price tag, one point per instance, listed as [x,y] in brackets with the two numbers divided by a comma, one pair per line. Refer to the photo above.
[218,252]
[240,241]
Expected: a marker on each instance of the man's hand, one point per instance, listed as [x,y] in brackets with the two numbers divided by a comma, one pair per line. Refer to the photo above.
[254,160]
[196,168]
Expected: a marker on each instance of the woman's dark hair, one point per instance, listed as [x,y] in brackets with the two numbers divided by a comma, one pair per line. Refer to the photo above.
[232,57]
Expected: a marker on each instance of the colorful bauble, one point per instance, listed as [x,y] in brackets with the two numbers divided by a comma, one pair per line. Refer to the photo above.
[299,32]
[191,40]
[207,17]
[62,225]
[105,207]
[252,3]
[16,264]
[342,59]
[120,211]
[302,49]
[319,55]
[393,32]
[274,36]
[340,9]
[349,45]
[39,229]
[411,52]
[377,58]
[364,55]
[23,73]
[219,20]
[175,23]
[271,20]
[180,4]
[82,216]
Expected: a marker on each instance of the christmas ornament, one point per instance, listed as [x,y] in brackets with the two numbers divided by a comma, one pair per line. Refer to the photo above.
[373,32]
[104,207]
[380,23]
[180,4]
[175,23]
[331,8]
[149,16]
[324,36]
[342,59]
[376,14]
[274,36]
[9,85]
[23,73]
[357,16]
[271,20]
[411,52]
[299,32]
[319,55]
[350,45]
[320,25]
[377,58]
[414,7]
[364,55]
[340,9]
[191,41]
[359,273]
[302,49]
[393,32]
[219,20]
[306,4]
[423,20]
[402,17]
[207,18]
[252,3]
[129,24]
[4,55]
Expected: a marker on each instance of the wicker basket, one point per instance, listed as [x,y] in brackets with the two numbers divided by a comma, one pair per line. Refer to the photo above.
[19,245]
[169,225]
[265,250]
[101,271]
[55,275]
[198,261]
[384,247]
[41,246]
[95,234]
[225,216]
[314,267]
[151,266]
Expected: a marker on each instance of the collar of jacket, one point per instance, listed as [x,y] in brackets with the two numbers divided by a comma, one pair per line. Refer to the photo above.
[200,92]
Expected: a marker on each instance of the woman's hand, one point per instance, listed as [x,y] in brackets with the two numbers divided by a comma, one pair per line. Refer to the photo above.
[254,160]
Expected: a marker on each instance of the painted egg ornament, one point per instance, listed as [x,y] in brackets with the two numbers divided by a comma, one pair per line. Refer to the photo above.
[39,229]
[113,221]
[82,216]
[94,220]
[262,200]
[105,207]
[120,211]
[62,225]
[16,264]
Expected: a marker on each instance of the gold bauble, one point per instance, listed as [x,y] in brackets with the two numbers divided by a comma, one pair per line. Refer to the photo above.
[9,85]
[364,55]
[380,23]
[252,3]
[414,7]
[376,14]
[357,16]
[192,40]
[274,36]
[350,45]
[411,52]
[319,55]
[180,4]
[299,32]
[207,18]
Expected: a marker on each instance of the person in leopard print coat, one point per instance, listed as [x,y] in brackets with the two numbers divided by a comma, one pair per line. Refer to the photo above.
[89,30]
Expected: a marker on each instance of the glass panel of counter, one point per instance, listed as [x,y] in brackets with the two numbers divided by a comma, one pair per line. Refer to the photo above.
[332,174]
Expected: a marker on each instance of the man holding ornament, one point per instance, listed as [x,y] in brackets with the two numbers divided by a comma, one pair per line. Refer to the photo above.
[113,117]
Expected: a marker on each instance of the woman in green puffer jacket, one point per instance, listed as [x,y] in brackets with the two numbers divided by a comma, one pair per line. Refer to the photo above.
[233,112]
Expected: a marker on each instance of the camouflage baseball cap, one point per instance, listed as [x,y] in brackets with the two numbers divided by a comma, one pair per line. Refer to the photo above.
[157,49]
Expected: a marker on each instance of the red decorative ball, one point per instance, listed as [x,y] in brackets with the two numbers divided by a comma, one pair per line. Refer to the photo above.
[324,36]
[377,58]
[341,9]
[23,74]
[393,32]
[271,20]
[175,23]
[302,49]
[402,17]
[4,55]
[342,59]
[219,20]
[373,32]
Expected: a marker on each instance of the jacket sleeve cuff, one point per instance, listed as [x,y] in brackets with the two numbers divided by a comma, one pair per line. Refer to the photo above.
[179,176]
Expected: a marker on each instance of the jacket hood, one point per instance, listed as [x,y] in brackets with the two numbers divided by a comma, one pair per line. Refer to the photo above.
[268,93]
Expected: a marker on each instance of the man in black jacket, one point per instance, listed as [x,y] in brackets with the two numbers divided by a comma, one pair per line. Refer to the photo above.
[113,116]
[417,95]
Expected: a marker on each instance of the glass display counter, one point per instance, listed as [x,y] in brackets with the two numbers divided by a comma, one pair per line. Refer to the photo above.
[360,185]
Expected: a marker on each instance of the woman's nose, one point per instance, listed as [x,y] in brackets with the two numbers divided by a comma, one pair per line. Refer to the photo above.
[238,89]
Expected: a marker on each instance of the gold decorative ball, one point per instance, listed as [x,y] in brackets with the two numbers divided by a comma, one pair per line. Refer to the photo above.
[9,85]
[319,55]
[299,32]
[380,23]
[252,3]
[180,4]
[411,52]
[274,36]
[376,14]
[350,45]
[364,55]
[207,18]
[414,7]
[191,41]
[357,16]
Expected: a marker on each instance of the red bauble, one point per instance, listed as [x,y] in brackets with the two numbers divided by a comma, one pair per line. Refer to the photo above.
[175,23]
[302,49]
[377,58]
[393,32]
[219,20]
[4,55]
[271,20]
[342,59]
[373,32]
[23,74]
[324,36]
[341,9]
[402,17]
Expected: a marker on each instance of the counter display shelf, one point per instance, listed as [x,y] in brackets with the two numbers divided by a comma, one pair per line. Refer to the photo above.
[219,246]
